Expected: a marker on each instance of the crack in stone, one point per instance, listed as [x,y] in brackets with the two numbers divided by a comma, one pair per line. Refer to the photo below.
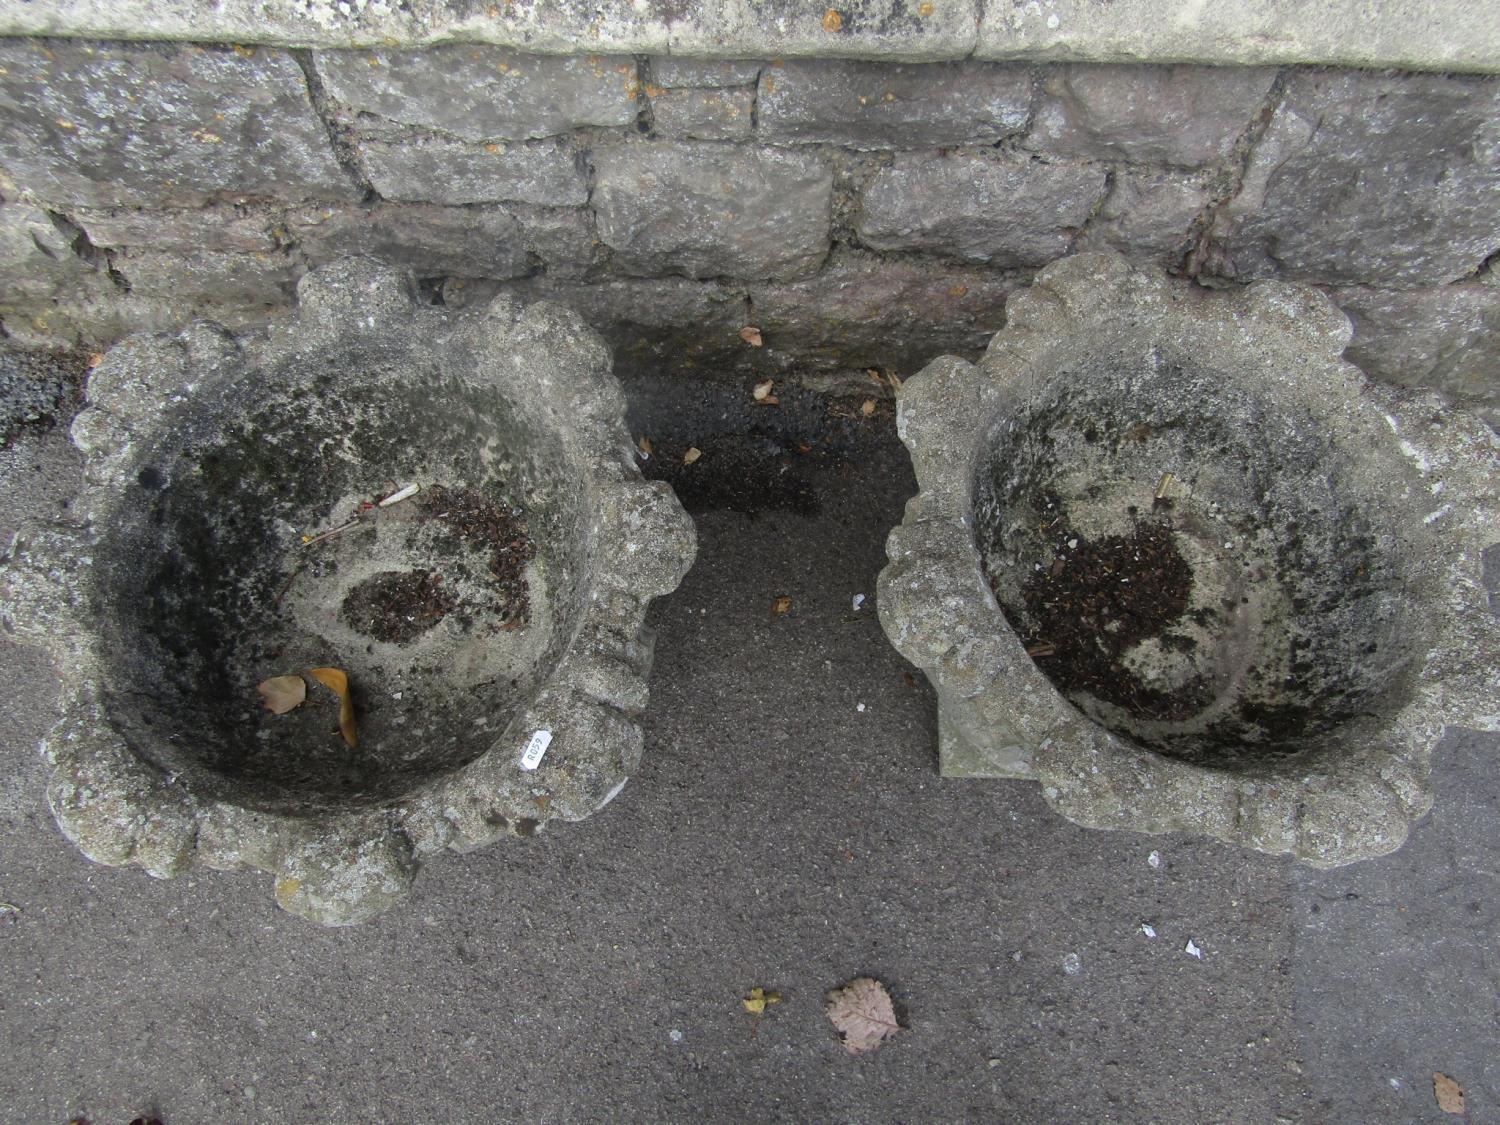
[1237,168]
[326,109]
[85,250]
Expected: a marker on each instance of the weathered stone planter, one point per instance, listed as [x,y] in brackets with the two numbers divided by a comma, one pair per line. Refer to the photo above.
[1175,560]
[504,598]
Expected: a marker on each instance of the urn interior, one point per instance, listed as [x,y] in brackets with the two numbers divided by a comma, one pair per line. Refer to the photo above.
[447,610]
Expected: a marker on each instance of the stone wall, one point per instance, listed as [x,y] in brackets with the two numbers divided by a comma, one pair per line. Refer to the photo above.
[859,214]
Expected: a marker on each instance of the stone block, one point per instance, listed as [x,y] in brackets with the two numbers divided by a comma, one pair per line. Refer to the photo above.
[105,125]
[673,73]
[1007,212]
[429,240]
[861,311]
[210,277]
[225,228]
[437,169]
[703,114]
[1188,116]
[708,210]
[653,325]
[1447,338]
[880,105]
[1366,179]
[480,93]
[1149,215]
[565,239]
[92,312]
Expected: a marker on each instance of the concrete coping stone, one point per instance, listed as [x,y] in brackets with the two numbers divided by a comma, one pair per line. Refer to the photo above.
[1434,35]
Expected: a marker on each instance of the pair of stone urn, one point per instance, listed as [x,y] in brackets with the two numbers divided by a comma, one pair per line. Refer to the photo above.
[1170,557]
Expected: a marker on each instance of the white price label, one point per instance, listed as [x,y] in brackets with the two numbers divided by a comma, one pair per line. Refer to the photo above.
[531,757]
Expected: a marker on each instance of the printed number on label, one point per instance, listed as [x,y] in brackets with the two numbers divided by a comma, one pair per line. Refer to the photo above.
[531,757]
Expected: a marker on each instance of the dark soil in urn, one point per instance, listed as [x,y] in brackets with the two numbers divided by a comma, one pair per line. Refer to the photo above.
[397,606]
[481,522]
[1096,601]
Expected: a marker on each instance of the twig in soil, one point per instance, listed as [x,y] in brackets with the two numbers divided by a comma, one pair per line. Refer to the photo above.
[308,542]
[287,585]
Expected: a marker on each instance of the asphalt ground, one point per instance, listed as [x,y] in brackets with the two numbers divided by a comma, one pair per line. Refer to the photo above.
[787,831]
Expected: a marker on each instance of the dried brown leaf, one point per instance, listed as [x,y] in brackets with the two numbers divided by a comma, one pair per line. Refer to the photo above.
[875,375]
[337,681]
[868,408]
[644,445]
[763,390]
[896,381]
[691,455]
[781,606]
[282,693]
[1449,1094]
[751,336]
[833,20]
[862,1013]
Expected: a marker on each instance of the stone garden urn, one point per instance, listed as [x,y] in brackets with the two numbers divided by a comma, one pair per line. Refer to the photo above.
[441,507]
[1178,562]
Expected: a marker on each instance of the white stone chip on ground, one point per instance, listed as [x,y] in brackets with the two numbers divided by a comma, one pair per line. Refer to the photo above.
[857,601]
[1154,859]
[1192,950]
[1148,930]
[1072,964]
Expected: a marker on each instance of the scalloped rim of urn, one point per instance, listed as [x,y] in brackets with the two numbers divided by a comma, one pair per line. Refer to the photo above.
[1000,716]
[344,865]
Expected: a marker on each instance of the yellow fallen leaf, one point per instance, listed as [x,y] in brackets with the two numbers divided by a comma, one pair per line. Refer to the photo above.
[763,390]
[751,336]
[832,20]
[692,455]
[781,606]
[756,1002]
[868,408]
[282,693]
[1449,1094]
[336,681]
